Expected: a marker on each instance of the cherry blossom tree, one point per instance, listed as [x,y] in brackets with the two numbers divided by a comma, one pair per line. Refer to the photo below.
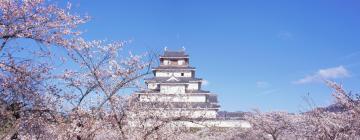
[340,123]
[271,125]
[24,94]
[327,125]
[103,72]
[88,99]
[26,90]
[37,20]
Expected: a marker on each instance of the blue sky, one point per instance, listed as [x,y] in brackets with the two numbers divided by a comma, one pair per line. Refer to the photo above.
[254,54]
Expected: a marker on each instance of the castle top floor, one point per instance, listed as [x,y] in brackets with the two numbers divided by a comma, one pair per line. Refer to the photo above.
[174,59]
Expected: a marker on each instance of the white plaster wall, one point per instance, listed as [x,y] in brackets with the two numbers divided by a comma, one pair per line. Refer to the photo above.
[162,74]
[166,62]
[172,98]
[197,124]
[186,74]
[172,89]
[214,123]
[152,86]
[177,74]
[181,62]
[193,86]
[168,74]
[184,113]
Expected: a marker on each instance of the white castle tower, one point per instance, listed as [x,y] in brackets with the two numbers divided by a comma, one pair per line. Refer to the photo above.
[175,91]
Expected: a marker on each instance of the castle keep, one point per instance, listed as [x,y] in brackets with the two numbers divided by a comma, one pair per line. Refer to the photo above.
[176,91]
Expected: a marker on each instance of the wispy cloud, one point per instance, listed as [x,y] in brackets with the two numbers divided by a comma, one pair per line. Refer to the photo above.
[270,91]
[265,88]
[351,55]
[325,74]
[262,84]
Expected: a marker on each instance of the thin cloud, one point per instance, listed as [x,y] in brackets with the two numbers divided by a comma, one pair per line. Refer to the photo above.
[265,88]
[267,92]
[325,74]
[351,55]
[262,84]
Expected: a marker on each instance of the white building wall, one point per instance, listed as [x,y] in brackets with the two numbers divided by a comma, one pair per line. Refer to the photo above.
[184,113]
[214,123]
[196,124]
[169,74]
[166,62]
[172,89]
[162,74]
[181,62]
[193,86]
[188,74]
[172,98]
[152,86]
[178,74]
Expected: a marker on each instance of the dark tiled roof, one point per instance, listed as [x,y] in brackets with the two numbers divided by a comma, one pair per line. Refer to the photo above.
[173,68]
[165,79]
[212,98]
[197,91]
[148,91]
[178,105]
[174,54]
[232,115]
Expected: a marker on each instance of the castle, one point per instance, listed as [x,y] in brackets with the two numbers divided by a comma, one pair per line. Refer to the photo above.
[175,91]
